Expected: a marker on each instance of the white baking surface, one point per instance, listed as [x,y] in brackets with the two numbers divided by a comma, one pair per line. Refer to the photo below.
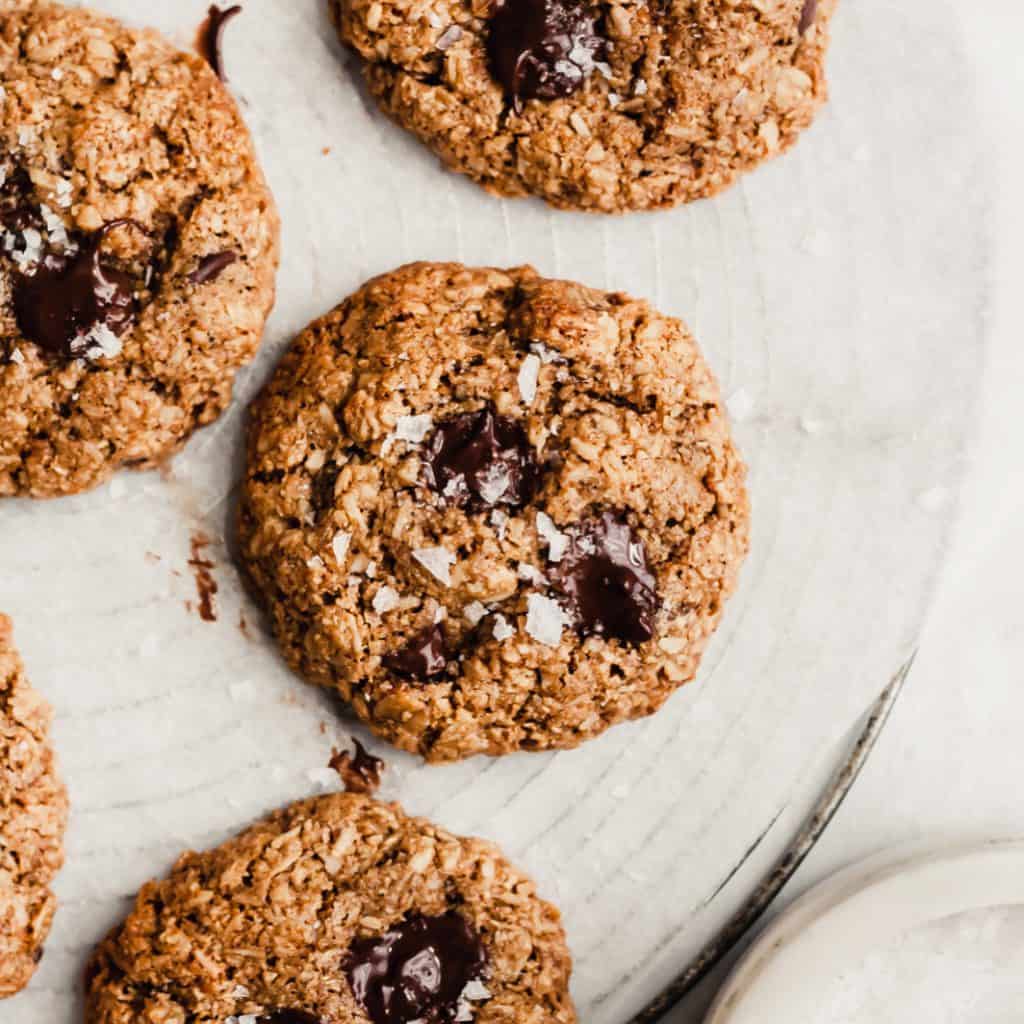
[948,766]
[918,934]
[840,294]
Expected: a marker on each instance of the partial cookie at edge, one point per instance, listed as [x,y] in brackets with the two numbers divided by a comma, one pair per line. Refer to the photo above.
[125,163]
[669,104]
[33,816]
[309,890]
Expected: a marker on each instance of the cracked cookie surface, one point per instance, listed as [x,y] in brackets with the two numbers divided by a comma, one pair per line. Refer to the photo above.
[139,248]
[337,910]
[33,815]
[607,106]
[494,512]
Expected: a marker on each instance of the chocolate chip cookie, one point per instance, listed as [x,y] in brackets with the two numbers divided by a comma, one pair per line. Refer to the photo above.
[494,512]
[609,105]
[33,814]
[138,248]
[338,910]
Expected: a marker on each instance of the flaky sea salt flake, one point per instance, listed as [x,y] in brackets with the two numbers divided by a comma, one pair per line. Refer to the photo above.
[531,574]
[475,612]
[499,520]
[558,542]
[100,343]
[529,375]
[437,561]
[495,483]
[741,405]
[503,629]
[546,620]
[385,600]
[413,429]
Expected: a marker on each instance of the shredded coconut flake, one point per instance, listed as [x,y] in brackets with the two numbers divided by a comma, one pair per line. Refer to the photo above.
[340,545]
[437,561]
[546,620]
[385,600]
[503,629]
[529,374]
[474,612]
[557,541]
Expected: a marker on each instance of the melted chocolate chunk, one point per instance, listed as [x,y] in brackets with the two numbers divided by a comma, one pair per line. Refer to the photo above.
[17,213]
[482,460]
[211,35]
[606,578]
[424,657]
[360,771]
[288,1017]
[212,266]
[68,296]
[417,971]
[807,15]
[543,49]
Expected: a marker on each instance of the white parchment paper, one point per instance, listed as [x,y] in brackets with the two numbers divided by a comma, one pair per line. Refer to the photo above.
[839,292]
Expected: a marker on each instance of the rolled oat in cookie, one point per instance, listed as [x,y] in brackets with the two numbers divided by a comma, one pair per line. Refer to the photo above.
[608,105]
[33,816]
[339,910]
[494,512]
[138,248]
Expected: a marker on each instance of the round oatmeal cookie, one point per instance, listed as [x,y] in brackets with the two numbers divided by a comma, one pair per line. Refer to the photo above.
[337,910]
[33,814]
[494,512]
[138,248]
[609,105]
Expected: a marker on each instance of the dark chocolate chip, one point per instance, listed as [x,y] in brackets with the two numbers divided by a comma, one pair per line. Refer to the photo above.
[482,460]
[67,296]
[424,657]
[807,15]
[288,1017]
[211,35]
[604,574]
[360,771]
[543,49]
[212,266]
[417,971]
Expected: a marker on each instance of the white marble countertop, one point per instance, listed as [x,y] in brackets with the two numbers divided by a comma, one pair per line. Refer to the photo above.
[948,764]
